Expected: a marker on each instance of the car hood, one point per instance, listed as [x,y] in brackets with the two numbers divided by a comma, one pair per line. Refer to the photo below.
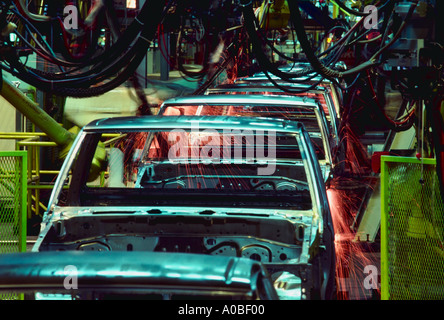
[149,272]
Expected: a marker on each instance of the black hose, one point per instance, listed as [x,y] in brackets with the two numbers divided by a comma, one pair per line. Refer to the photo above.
[292,91]
[81,86]
[317,65]
[180,60]
[154,8]
[117,50]
[249,23]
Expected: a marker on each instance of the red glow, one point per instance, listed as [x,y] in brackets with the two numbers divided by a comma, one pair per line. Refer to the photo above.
[351,258]
[356,157]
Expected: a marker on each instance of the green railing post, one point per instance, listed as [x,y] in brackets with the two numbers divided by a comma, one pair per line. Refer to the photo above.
[13,189]
[384,241]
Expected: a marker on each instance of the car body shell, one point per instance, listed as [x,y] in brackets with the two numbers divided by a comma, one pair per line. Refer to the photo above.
[298,243]
[333,91]
[319,93]
[208,104]
[136,274]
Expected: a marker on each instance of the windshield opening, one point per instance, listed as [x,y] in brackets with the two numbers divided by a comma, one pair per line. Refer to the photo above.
[192,167]
[307,116]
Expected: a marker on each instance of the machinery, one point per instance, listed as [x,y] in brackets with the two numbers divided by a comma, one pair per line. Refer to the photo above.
[375,66]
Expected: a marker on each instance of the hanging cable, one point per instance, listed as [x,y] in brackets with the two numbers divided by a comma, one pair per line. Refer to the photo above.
[293,91]
[250,23]
[317,64]
[30,16]
[396,125]
[113,63]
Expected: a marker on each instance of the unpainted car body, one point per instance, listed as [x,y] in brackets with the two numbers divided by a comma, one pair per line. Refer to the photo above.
[318,93]
[152,201]
[304,110]
[332,89]
[133,275]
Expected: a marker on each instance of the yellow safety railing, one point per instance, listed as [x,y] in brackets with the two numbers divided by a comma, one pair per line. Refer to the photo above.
[30,141]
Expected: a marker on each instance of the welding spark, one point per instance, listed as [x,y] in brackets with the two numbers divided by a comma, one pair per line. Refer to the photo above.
[351,258]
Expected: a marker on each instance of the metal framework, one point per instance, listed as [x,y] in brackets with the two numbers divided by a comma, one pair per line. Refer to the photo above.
[412,224]
[13,188]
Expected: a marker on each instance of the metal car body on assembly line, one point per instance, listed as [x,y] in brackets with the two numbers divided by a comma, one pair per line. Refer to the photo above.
[331,88]
[318,93]
[146,199]
[304,110]
[110,275]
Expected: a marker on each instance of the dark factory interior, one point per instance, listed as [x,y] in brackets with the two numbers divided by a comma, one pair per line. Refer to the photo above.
[222,150]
